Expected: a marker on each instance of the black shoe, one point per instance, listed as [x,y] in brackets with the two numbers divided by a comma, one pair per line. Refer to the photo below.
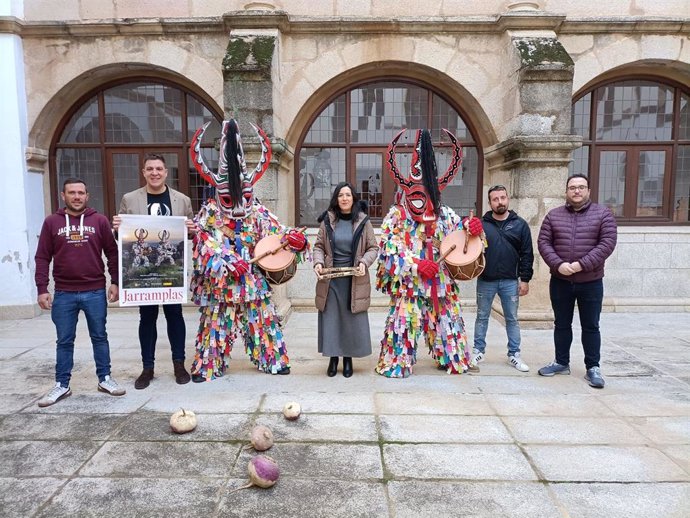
[181,374]
[284,371]
[198,378]
[144,379]
[332,367]
[347,366]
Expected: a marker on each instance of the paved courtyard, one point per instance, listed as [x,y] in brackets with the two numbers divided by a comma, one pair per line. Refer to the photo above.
[493,444]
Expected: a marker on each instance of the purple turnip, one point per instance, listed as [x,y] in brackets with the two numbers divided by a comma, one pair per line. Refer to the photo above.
[261,437]
[263,472]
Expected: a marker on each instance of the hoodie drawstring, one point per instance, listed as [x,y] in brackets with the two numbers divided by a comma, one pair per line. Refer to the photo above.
[81,226]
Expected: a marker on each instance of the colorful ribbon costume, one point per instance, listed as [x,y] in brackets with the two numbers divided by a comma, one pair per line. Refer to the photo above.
[234,296]
[425,300]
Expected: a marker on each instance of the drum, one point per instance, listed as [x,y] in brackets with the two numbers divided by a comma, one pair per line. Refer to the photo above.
[276,262]
[466,260]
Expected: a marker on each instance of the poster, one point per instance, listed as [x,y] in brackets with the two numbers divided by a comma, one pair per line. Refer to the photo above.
[153,260]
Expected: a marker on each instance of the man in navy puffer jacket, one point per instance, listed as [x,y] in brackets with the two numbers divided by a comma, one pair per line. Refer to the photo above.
[575,240]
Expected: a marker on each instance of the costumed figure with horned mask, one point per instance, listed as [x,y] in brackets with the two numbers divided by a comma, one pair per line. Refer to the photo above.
[234,294]
[166,250]
[141,249]
[425,299]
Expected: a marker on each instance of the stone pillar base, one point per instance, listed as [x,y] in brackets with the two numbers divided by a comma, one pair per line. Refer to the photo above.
[19,311]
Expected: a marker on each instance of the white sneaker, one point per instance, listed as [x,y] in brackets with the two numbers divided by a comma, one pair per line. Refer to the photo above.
[57,393]
[111,386]
[515,361]
[477,357]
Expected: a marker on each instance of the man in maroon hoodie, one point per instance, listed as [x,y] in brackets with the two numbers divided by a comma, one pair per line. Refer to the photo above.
[74,239]
[575,240]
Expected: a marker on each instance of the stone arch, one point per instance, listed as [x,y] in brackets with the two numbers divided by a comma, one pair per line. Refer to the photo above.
[48,119]
[470,107]
[677,71]
[625,154]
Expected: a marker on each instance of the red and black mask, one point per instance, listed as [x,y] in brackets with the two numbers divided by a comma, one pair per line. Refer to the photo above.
[234,185]
[422,189]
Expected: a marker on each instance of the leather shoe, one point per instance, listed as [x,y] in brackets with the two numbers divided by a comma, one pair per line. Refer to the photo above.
[284,371]
[181,374]
[144,379]
[198,378]
[347,366]
[332,367]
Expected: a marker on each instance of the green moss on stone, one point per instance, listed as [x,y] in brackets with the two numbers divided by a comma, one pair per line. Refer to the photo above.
[254,52]
[542,51]
[237,53]
[263,51]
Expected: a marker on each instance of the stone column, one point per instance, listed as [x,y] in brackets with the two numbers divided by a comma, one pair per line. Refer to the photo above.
[248,68]
[21,190]
[532,158]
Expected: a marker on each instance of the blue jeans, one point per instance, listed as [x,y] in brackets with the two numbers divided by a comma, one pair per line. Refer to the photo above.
[508,292]
[148,334]
[65,314]
[589,297]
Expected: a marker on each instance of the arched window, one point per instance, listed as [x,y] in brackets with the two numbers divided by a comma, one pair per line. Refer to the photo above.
[347,141]
[636,149]
[105,136]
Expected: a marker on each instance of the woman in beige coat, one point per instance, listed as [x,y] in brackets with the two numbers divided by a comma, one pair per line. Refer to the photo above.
[346,238]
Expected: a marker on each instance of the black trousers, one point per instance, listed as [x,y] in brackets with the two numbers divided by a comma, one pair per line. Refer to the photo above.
[148,315]
[589,297]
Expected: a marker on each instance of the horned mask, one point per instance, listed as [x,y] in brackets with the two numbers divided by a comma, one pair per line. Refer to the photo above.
[234,184]
[417,199]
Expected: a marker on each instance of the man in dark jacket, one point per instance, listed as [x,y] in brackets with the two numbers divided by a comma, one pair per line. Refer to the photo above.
[509,259]
[575,240]
[75,239]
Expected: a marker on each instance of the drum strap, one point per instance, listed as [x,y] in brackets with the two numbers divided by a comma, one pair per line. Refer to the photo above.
[429,229]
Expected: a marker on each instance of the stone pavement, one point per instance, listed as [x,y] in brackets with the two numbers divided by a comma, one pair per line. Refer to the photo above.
[498,443]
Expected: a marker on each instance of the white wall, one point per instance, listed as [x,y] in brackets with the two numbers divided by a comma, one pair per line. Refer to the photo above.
[21,193]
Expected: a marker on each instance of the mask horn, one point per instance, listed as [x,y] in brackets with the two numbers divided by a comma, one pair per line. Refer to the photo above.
[196,156]
[455,163]
[393,167]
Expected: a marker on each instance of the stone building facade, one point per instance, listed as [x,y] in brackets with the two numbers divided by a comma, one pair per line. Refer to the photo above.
[539,88]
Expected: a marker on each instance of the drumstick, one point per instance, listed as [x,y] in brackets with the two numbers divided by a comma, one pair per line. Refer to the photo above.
[276,249]
[447,252]
[467,232]
[268,252]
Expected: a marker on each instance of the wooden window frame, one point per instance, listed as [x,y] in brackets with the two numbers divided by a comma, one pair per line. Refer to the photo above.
[632,180]
[106,148]
[633,149]
[352,149]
